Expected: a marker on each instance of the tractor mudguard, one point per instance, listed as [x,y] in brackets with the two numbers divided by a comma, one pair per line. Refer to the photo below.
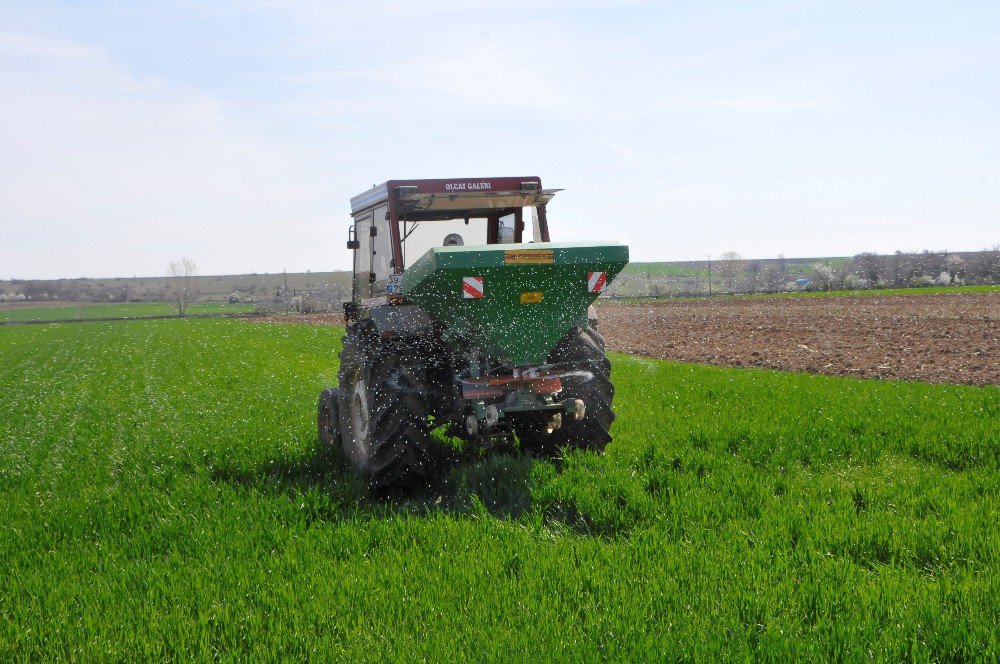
[401,321]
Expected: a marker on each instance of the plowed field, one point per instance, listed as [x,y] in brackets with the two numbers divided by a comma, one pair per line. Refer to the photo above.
[952,338]
[941,338]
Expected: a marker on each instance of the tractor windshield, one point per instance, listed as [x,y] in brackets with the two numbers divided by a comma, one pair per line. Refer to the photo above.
[419,236]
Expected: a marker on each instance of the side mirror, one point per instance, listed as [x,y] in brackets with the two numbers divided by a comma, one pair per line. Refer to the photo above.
[353,244]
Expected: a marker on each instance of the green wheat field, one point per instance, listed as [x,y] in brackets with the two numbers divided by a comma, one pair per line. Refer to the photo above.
[163,497]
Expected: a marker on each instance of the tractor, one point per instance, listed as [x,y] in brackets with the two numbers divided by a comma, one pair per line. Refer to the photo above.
[464,314]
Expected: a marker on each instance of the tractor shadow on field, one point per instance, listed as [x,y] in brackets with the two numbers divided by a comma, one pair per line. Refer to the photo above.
[327,488]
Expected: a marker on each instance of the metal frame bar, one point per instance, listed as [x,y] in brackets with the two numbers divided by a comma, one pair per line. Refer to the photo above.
[543,223]
[397,245]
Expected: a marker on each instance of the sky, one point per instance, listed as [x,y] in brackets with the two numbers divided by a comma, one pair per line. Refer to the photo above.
[234,132]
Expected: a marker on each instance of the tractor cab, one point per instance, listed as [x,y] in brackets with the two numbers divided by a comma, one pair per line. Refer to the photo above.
[397,222]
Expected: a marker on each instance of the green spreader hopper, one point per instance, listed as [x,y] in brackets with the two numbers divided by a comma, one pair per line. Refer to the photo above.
[515,302]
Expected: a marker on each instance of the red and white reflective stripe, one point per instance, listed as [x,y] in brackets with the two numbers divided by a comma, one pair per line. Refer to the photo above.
[596,281]
[472,287]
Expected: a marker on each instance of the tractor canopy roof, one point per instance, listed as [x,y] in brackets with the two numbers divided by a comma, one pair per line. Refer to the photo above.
[451,198]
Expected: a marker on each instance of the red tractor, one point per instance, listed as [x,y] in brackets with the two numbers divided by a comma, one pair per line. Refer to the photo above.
[464,313]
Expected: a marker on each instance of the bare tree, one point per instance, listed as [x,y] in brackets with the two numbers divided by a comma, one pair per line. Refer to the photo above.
[994,264]
[773,279]
[895,269]
[871,267]
[983,267]
[182,274]
[753,272]
[730,266]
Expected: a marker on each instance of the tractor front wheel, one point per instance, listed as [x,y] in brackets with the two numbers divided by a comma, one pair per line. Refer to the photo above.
[328,418]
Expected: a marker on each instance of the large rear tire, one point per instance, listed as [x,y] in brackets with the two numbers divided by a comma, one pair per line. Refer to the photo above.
[385,396]
[580,352]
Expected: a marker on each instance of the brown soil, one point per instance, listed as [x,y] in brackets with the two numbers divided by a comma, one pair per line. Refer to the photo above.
[952,338]
[944,338]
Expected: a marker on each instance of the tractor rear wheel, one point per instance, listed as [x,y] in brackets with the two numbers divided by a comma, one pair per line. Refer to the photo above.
[384,418]
[581,352]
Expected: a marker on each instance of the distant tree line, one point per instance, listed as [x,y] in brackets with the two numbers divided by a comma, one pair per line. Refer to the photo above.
[182,286]
[728,273]
[83,290]
[731,273]
[901,270]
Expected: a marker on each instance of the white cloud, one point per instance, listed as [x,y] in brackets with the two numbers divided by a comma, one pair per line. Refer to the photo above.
[242,128]
[42,47]
[138,170]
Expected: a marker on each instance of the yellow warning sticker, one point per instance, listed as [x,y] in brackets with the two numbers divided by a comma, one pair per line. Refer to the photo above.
[527,256]
[534,297]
